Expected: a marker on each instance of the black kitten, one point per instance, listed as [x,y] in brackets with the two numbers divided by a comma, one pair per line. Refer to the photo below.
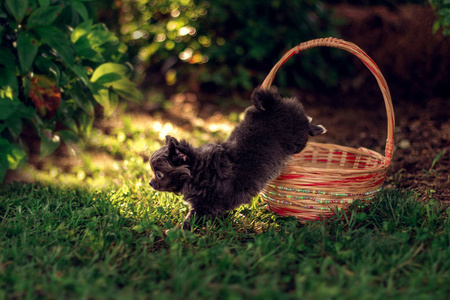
[215,178]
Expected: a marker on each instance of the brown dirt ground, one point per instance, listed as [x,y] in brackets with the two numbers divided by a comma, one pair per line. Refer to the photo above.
[421,158]
[416,64]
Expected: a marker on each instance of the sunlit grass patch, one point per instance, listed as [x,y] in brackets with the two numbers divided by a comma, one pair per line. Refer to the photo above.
[119,147]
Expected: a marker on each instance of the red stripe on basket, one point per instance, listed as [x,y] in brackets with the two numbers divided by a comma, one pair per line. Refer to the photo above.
[343,183]
[374,72]
[300,213]
[287,212]
[361,52]
[332,183]
[322,160]
[292,54]
[280,210]
[352,179]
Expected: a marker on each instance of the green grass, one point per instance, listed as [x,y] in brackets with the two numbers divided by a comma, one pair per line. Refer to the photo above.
[77,243]
[93,229]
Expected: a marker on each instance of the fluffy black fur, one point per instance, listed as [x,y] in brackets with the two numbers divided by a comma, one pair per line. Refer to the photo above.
[215,178]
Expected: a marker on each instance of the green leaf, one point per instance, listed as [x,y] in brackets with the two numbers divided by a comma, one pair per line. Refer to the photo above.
[44,16]
[114,75]
[108,68]
[12,156]
[81,30]
[26,84]
[109,78]
[113,103]
[437,158]
[127,89]
[85,124]
[58,41]
[80,8]
[16,157]
[102,97]
[82,98]
[2,127]
[7,108]
[68,137]
[108,99]
[49,143]
[17,8]
[44,3]
[14,124]
[84,49]
[6,93]
[47,66]
[7,59]
[436,26]
[27,48]
[90,54]
[26,112]
[100,36]
[8,78]
[80,71]
[70,123]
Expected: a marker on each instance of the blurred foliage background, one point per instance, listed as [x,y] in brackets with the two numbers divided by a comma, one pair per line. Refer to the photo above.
[64,63]
[224,44]
[227,46]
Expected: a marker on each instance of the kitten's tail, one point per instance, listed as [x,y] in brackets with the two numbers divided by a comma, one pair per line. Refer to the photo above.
[264,99]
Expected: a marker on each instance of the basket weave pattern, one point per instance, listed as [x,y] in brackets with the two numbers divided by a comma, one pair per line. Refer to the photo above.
[326,177]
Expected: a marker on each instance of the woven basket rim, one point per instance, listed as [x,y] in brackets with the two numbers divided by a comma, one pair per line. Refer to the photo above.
[358,151]
[370,64]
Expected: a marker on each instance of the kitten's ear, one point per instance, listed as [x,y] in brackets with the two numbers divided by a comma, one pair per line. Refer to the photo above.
[177,155]
[264,99]
[316,129]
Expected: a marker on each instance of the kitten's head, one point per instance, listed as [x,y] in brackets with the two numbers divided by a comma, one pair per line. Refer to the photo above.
[171,166]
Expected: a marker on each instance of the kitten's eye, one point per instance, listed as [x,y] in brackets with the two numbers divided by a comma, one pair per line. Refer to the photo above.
[159,175]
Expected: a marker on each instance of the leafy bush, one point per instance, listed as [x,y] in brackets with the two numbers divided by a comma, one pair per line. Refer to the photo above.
[156,30]
[239,40]
[56,65]
[161,33]
[442,9]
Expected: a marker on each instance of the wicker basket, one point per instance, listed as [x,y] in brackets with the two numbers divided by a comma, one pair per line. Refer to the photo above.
[326,177]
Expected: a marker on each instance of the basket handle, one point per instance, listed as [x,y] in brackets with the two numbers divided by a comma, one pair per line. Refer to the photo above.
[370,64]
